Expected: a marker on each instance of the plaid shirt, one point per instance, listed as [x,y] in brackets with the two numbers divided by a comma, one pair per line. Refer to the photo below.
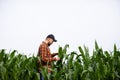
[45,54]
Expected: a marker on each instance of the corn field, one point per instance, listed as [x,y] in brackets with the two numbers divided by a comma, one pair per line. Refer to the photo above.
[102,65]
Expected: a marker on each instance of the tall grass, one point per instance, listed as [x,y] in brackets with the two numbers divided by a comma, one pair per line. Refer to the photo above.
[102,65]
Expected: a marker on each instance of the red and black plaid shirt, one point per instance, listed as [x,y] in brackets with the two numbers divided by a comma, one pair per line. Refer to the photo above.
[45,54]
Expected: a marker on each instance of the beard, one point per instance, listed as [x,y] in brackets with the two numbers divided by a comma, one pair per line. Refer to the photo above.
[49,44]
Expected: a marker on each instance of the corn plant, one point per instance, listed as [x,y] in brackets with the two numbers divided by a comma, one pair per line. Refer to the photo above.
[15,66]
[102,65]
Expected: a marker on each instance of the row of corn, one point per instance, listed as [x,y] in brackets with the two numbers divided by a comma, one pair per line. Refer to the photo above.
[102,65]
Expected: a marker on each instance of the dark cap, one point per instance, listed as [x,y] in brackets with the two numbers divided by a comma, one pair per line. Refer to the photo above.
[52,37]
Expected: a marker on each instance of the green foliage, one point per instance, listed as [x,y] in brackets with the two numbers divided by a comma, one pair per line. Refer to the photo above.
[102,65]
[15,66]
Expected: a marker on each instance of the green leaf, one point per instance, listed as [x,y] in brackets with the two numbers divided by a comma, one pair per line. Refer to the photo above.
[96,46]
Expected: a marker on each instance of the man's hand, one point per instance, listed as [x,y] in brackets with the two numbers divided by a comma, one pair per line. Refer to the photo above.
[57,58]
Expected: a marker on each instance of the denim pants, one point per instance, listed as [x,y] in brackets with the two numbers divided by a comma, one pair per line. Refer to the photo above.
[41,76]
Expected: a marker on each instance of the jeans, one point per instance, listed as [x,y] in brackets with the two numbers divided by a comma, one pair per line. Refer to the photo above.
[41,76]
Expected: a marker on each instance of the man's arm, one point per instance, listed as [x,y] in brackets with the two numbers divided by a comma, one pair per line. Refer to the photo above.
[54,54]
[44,54]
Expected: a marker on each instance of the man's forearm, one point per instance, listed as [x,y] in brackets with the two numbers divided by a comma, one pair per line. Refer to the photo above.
[54,54]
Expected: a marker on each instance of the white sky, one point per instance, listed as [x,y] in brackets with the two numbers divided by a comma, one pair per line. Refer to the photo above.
[24,24]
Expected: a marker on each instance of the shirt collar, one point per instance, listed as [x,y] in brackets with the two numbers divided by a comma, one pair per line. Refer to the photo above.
[45,43]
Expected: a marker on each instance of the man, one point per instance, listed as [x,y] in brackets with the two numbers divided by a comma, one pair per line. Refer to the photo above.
[44,53]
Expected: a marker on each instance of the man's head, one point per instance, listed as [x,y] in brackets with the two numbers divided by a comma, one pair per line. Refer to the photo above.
[50,38]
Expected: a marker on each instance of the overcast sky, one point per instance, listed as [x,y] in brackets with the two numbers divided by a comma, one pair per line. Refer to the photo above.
[24,24]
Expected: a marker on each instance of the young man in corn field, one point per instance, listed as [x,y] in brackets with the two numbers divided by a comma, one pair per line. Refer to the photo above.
[44,53]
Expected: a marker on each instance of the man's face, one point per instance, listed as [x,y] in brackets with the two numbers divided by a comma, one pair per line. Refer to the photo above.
[50,41]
